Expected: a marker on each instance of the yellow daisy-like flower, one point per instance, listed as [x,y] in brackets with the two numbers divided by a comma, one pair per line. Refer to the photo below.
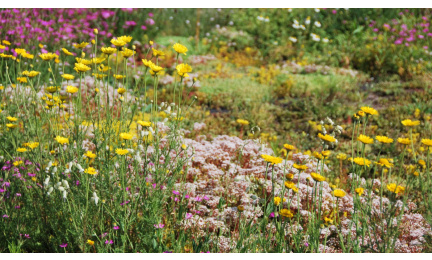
[121,151]
[359,191]
[271,159]
[126,136]
[90,155]
[157,53]
[365,139]
[20,51]
[119,77]
[339,193]
[242,122]
[62,140]
[362,161]
[278,200]
[127,52]
[144,123]
[384,162]
[183,70]
[318,155]
[395,188]
[80,45]
[341,157]
[121,91]
[48,56]
[11,126]
[300,167]
[79,67]
[327,138]
[291,185]
[68,76]
[384,139]
[408,122]
[108,50]
[147,63]
[71,89]
[12,119]
[33,145]
[289,147]
[27,55]
[404,140]
[317,177]
[98,60]
[286,213]
[181,49]
[369,110]
[83,61]
[30,74]
[90,242]
[118,43]
[427,142]
[52,89]
[21,150]
[126,39]
[90,170]
[155,68]
[68,53]
[5,42]
[22,79]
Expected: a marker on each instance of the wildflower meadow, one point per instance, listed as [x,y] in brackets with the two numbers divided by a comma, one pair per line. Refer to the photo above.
[176,130]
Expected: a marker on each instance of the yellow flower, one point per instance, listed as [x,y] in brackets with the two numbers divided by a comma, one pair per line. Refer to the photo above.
[126,136]
[341,156]
[300,167]
[326,153]
[20,51]
[127,52]
[408,122]
[271,159]
[90,242]
[121,151]
[118,43]
[6,42]
[242,122]
[108,50]
[289,147]
[183,69]
[27,55]
[79,67]
[180,48]
[21,150]
[65,51]
[62,140]
[155,68]
[286,213]
[121,91]
[12,119]
[32,145]
[11,125]
[52,89]
[395,188]
[427,142]
[384,162]
[30,74]
[48,56]
[98,60]
[327,138]
[71,89]
[369,110]
[240,208]
[317,177]
[365,139]
[147,63]
[422,162]
[157,53]
[362,161]
[317,155]
[68,76]
[144,123]
[291,185]
[17,163]
[90,170]
[81,45]
[339,193]
[404,140]
[328,220]
[83,61]
[22,79]
[289,176]
[126,39]
[359,191]
[90,155]
[119,77]
[384,139]
[277,200]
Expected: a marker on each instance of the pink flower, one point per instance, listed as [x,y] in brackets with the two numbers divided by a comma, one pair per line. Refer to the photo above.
[150,14]
[188,215]
[63,245]
[334,12]
[159,225]
[116,227]
[144,27]
[176,192]
[109,242]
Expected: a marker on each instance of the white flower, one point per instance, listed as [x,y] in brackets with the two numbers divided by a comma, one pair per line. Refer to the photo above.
[64,194]
[95,198]
[317,10]
[50,190]
[315,37]
[293,39]
[325,40]
[317,24]
[307,20]
[46,182]
[65,184]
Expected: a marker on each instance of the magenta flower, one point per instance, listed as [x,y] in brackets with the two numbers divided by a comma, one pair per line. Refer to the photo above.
[144,27]
[116,227]
[272,215]
[110,242]
[63,245]
[159,225]
[188,215]
[176,192]
[150,14]
[5,216]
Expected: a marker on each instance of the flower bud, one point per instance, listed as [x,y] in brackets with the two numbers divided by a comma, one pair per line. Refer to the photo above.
[96,31]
